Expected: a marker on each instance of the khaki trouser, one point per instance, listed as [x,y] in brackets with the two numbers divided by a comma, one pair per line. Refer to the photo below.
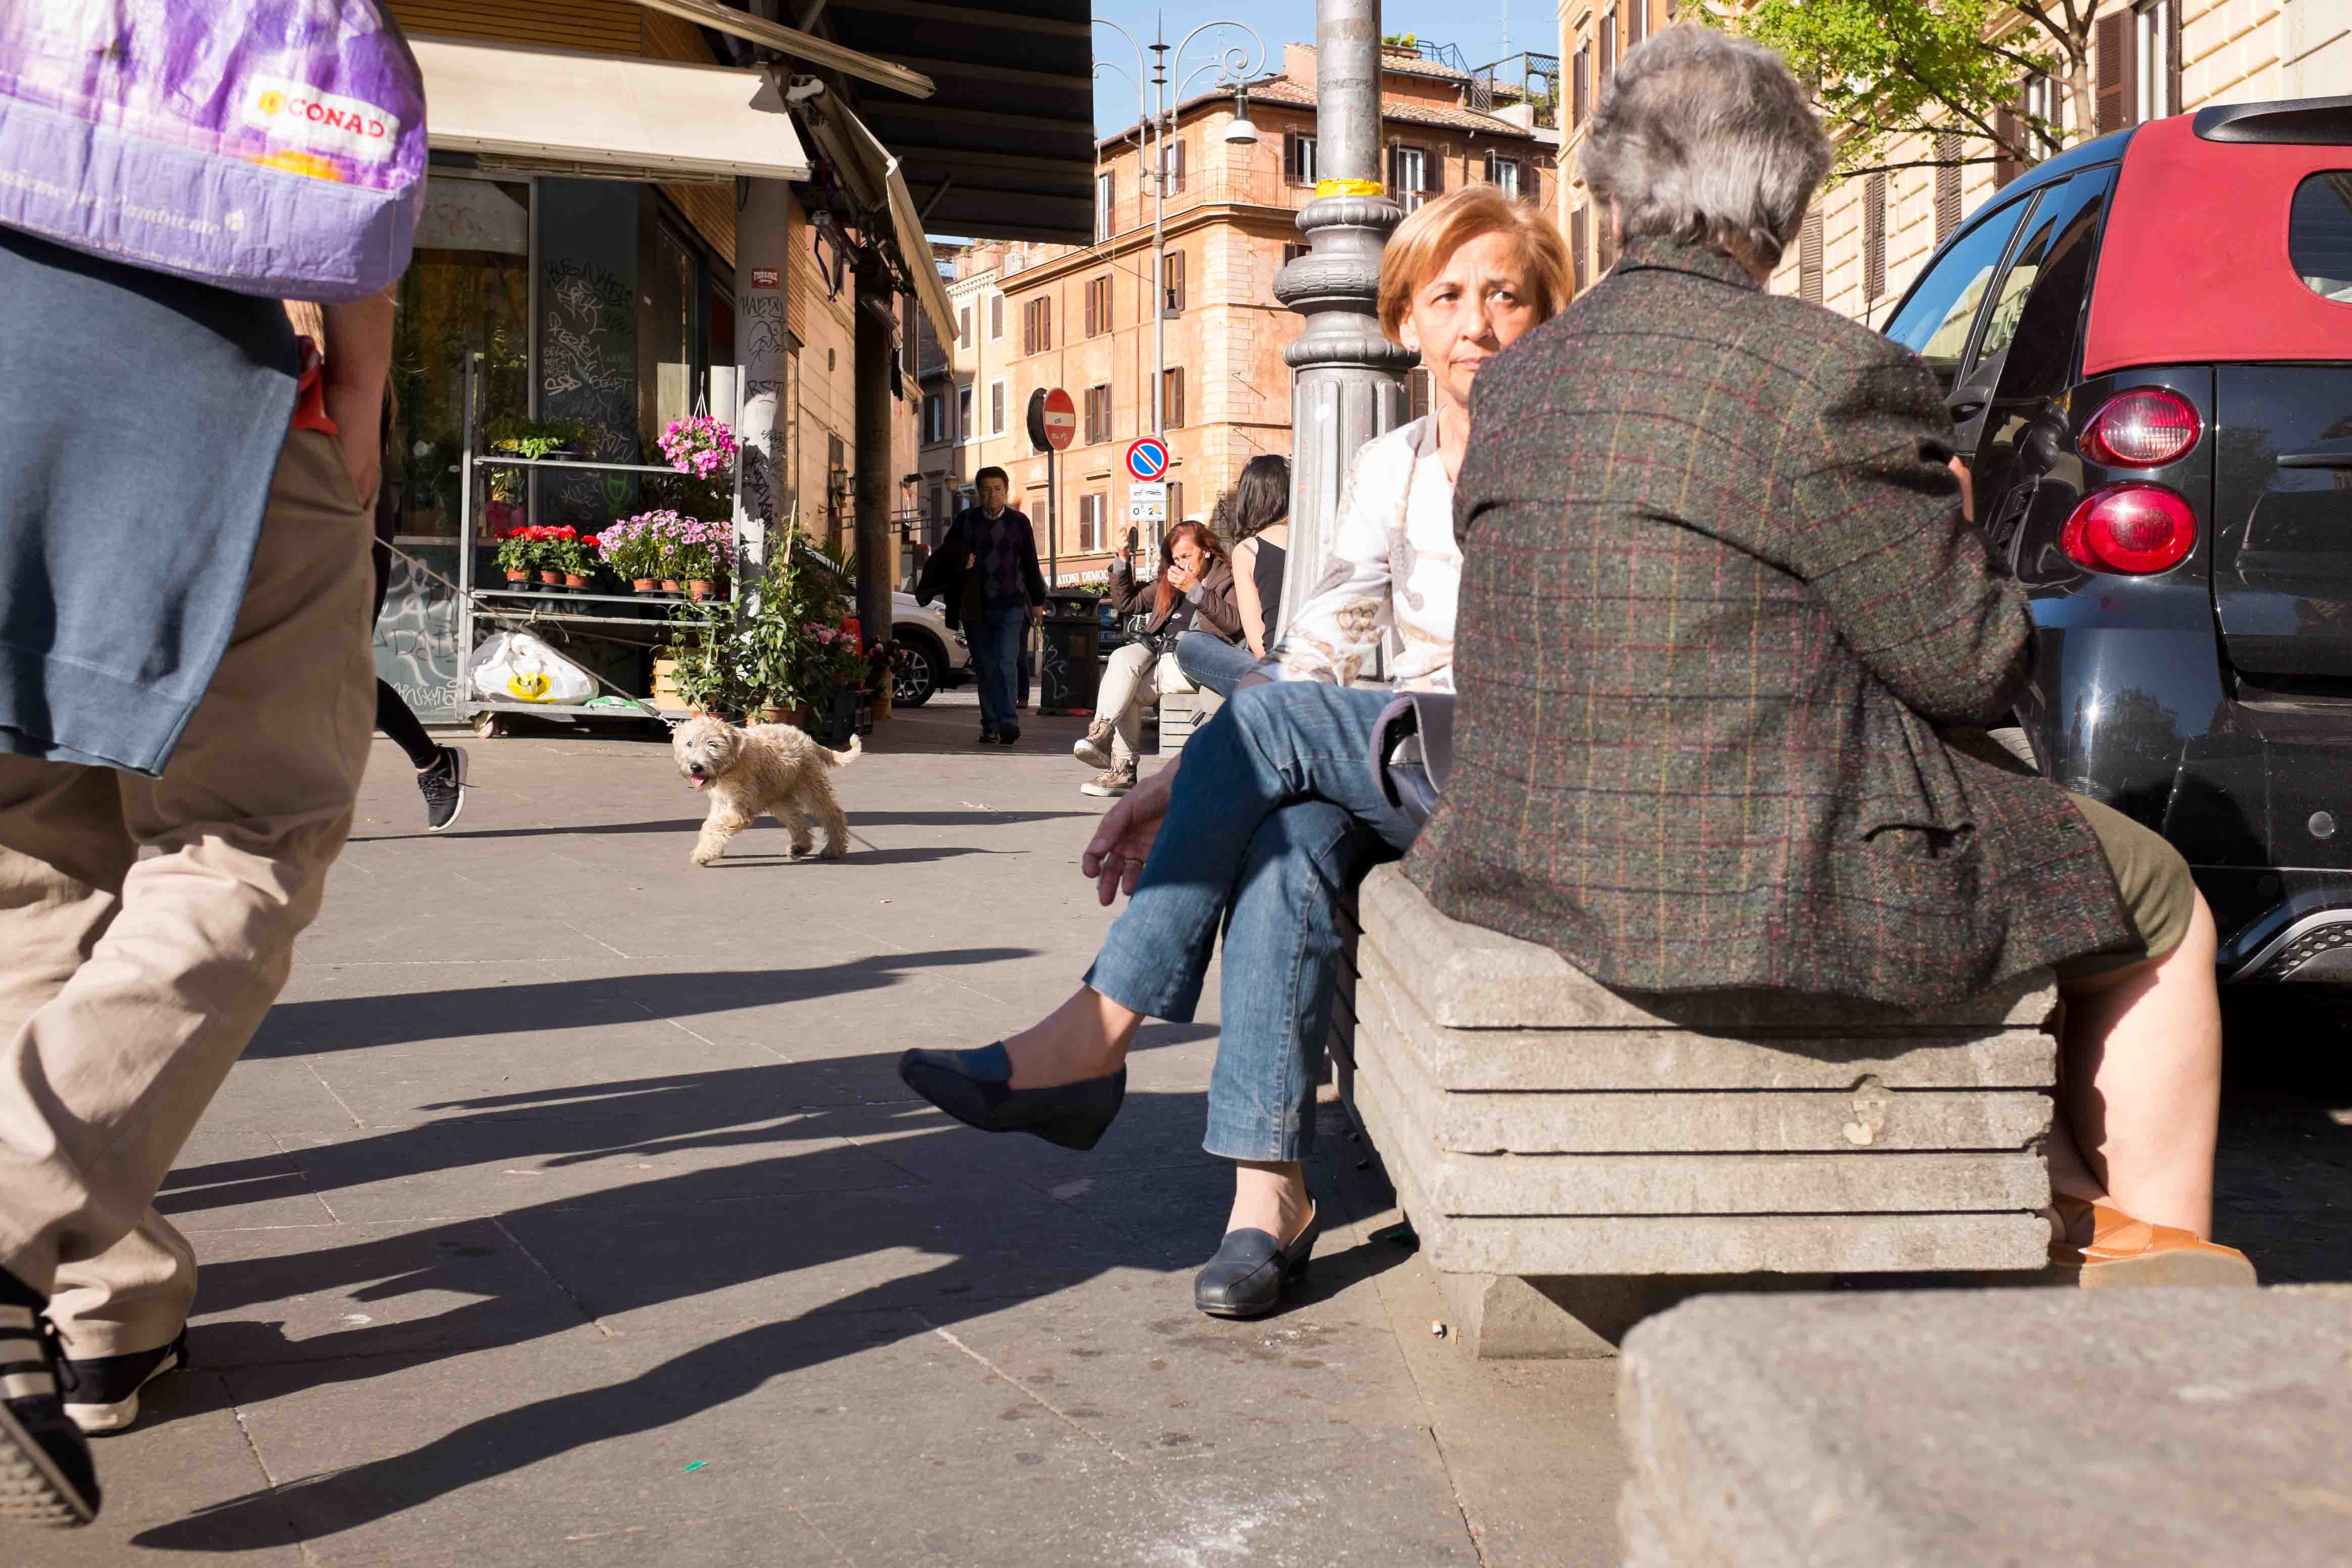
[129,987]
[1132,681]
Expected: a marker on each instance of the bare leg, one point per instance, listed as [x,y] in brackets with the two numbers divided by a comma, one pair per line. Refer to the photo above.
[2140,1085]
[1270,1196]
[1085,1037]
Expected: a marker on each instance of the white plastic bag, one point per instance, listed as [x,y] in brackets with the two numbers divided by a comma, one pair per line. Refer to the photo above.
[517,667]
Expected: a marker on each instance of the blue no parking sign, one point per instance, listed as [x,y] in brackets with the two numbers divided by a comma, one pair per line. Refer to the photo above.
[1147,457]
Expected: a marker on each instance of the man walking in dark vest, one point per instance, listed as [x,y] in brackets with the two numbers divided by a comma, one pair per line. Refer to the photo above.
[986,568]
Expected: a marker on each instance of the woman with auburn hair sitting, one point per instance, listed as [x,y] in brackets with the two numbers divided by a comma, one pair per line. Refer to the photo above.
[1273,808]
[1194,588]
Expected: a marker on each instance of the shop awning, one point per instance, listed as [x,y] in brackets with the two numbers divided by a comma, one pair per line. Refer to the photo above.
[604,116]
[874,177]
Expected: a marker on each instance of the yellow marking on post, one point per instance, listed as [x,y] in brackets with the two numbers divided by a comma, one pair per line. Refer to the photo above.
[1349,188]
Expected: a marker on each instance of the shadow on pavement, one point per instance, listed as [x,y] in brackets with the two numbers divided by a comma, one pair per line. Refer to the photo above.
[352,1023]
[688,824]
[2283,1173]
[639,1245]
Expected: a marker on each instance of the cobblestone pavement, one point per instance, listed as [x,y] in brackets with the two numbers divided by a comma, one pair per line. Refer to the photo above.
[567,1210]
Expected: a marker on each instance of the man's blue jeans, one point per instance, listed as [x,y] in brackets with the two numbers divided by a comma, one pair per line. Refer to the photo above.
[1212,664]
[1275,811]
[995,638]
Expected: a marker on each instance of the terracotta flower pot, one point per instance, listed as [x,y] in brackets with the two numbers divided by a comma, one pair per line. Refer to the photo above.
[517,580]
[575,582]
[669,586]
[699,587]
[641,585]
[551,579]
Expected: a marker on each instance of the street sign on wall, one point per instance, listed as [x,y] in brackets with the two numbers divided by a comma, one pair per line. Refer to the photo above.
[1147,459]
[1147,502]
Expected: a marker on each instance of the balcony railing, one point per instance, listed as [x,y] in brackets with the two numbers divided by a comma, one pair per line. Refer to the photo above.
[1523,78]
[1264,187]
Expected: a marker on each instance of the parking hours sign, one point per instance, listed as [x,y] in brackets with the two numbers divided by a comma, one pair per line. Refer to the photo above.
[1146,458]
[1147,502]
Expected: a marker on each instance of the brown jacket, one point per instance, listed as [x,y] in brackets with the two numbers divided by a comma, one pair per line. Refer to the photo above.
[1718,600]
[1217,611]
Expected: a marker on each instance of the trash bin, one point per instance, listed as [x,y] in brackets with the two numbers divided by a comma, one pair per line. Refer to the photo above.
[1071,669]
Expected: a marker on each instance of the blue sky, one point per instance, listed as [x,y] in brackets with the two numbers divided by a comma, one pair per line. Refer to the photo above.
[1475,26]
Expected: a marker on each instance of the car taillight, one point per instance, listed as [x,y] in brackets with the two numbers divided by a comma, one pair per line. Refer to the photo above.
[2133,529]
[2146,427]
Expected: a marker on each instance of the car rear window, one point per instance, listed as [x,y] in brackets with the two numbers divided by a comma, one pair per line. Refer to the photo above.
[2319,234]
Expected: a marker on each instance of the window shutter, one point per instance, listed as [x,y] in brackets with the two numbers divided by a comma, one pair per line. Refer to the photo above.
[1808,259]
[1396,170]
[1176,167]
[1433,170]
[1579,242]
[1290,156]
[1581,87]
[1045,324]
[1608,241]
[2010,126]
[963,328]
[1873,238]
[2172,98]
[2112,51]
[1637,22]
[1093,325]
[1949,151]
[1608,50]
[1171,273]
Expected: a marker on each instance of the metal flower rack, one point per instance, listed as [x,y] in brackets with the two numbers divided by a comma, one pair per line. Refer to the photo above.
[510,609]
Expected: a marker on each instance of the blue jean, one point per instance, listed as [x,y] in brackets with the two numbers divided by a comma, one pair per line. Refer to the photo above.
[1275,812]
[1212,664]
[995,638]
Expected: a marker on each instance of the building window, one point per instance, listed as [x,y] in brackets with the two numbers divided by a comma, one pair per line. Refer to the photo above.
[995,316]
[963,415]
[1503,173]
[1950,151]
[1099,306]
[1172,392]
[1299,157]
[1094,522]
[1580,243]
[1097,414]
[2156,32]
[1413,175]
[1171,167]
[1874,239]
[1171,277]
[1106,204]
[996,408]
[963,328]
[935,418]
[1416,392]
[1606,37]
[1293,251]
[1605,240]
[1579,99]
[1037,326]
[1637,22]
[1808,259]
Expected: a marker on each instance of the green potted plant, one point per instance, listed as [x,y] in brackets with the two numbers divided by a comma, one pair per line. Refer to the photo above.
[632,551]
[518,553]
[578,555]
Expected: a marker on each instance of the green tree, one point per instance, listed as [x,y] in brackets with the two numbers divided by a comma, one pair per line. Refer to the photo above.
[1887,69]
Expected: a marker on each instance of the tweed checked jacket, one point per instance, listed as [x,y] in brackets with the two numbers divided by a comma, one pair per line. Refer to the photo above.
[1718,599]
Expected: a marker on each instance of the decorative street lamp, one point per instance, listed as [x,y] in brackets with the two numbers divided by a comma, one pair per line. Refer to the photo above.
[1232,65]
[1348,384]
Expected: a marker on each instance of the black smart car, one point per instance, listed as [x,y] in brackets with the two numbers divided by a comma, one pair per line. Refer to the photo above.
[2147,347]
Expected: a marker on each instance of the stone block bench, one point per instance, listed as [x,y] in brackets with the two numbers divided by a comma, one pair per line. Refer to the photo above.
[1986,1428]
[1181,713]
[1573,1159]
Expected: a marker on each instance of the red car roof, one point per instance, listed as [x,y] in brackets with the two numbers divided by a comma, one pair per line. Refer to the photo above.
[2195,267]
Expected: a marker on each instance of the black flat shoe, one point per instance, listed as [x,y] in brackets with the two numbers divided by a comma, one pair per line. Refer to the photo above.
[1249,1275]
[975,1088]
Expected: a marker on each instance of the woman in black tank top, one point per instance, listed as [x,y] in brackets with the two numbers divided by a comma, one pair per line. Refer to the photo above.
[1258,510]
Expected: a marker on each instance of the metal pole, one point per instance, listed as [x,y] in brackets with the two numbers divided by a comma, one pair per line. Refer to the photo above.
[1158,238]
[1052,523]
[873,459]
[1349,384]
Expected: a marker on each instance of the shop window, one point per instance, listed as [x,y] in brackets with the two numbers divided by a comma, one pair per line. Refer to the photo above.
[466,291]
[1172,398]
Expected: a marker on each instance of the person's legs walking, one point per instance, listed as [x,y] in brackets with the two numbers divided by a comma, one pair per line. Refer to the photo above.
[994,635]
[440,769]
[102,1081]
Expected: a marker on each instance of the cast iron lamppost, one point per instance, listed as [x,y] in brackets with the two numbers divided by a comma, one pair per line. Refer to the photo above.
[1233,65]
[1348,380]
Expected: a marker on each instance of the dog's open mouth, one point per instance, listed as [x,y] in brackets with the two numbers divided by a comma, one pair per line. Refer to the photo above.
[696,781]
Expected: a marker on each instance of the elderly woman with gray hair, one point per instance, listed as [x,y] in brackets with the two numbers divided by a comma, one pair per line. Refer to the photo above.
[1728,640]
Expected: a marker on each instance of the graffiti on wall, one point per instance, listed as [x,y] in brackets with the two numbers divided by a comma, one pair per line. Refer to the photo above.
[416,635]
[587,359]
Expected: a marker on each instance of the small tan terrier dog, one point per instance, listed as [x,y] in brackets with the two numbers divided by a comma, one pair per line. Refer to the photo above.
[769,768]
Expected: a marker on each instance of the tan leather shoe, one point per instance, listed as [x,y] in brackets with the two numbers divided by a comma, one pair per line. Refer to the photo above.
[2127,1251]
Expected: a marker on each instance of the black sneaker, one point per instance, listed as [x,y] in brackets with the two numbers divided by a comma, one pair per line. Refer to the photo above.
[444,785]
[988,738]
[103,1392]
[1009,735]
[45,1476]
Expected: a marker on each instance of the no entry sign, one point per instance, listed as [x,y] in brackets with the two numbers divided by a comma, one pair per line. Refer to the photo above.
[1061,420]
[1147,457]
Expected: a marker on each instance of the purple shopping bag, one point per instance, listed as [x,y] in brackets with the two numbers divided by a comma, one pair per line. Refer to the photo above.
[271,147]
